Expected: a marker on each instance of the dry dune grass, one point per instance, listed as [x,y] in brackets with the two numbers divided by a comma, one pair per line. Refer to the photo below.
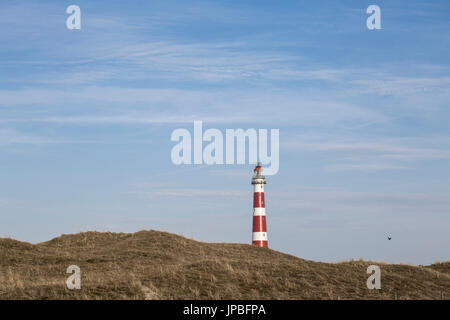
[160,265]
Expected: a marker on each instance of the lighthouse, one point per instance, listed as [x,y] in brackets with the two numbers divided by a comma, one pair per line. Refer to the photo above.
[259,208]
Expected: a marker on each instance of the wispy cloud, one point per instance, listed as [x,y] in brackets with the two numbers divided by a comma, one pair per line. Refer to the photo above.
[365,166]
[191,193]
[401,86]
[15,137]
[353,202]
[350,152]
[171,105]
[8,136]
[383,150]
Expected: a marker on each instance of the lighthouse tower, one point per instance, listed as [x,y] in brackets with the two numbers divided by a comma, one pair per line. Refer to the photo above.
[259,208]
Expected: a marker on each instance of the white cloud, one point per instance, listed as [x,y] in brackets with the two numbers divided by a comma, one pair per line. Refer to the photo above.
[350,151]
[383,150]
[365,166]
[125,105]
[191,193]
[8,136]
[370,153]
[12,137]
[402,86]
[361,203]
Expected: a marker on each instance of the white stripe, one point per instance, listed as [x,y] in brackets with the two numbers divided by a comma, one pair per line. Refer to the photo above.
[259,211]
[258,236]
[259,188]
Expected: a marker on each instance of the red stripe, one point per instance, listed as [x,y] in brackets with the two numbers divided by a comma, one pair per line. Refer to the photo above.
[261,243]
[259,224]
[258,200]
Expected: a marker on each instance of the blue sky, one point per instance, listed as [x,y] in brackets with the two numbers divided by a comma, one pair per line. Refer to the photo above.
[86,117]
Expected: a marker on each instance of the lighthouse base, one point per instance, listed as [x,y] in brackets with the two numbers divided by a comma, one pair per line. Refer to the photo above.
[260,243]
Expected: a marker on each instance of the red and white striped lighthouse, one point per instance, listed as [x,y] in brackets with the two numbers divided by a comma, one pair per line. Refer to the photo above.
[259,208]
